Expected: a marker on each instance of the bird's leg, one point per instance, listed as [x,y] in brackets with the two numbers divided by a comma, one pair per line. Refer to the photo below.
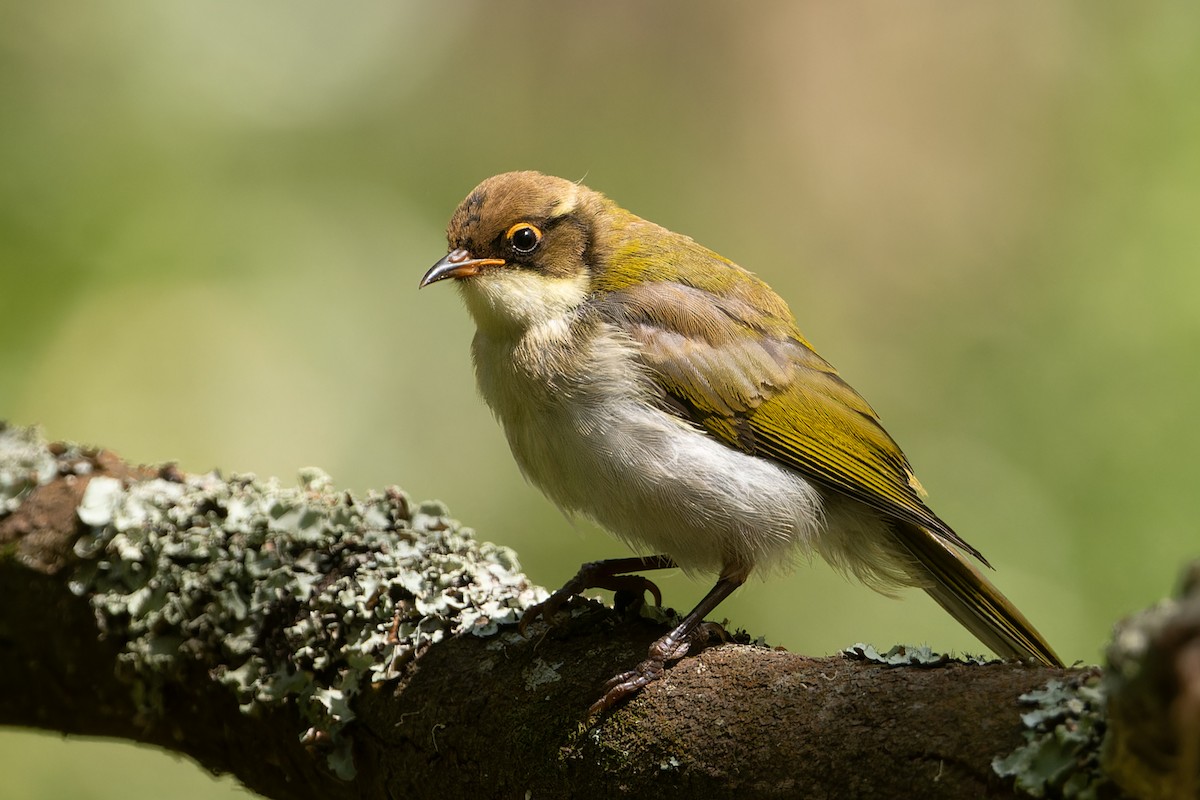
[609,574]
[674,645]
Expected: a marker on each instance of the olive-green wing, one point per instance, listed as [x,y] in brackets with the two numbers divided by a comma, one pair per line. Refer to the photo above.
[736,366]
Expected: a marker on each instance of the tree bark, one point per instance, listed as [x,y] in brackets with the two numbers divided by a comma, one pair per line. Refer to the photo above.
[381,665]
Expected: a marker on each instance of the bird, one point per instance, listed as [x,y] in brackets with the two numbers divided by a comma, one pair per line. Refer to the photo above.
[661,390]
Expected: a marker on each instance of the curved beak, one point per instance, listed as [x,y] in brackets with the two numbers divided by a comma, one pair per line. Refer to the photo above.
[457,264]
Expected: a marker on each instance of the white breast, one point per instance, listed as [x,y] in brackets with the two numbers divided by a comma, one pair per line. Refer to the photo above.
[582,426]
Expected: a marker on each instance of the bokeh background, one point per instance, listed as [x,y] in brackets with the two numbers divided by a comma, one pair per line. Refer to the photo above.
[213,217]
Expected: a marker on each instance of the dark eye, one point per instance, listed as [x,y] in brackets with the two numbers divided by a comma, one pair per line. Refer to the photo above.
[524,238]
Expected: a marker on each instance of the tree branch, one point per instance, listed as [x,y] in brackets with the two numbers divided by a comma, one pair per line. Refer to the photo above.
[315,644]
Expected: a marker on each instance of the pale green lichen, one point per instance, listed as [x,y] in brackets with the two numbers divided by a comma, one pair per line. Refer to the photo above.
[1063,733]
[25,462]
[300,595]
[905,655]
[540,673]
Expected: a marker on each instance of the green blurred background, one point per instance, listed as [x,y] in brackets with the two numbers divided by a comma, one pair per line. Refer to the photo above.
[213,217]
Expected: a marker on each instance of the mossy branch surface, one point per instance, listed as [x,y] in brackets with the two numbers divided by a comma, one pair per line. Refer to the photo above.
[318,644]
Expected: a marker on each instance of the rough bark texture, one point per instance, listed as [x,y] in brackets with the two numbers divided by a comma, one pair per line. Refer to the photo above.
[501,716]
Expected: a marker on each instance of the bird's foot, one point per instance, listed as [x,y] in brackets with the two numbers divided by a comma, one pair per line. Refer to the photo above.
[593,575]
[672,647]
[628,684]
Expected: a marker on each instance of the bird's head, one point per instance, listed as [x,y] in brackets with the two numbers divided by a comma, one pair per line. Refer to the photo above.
[521,249]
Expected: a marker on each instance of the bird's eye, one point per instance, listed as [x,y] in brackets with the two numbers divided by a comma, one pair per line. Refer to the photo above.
[524,237]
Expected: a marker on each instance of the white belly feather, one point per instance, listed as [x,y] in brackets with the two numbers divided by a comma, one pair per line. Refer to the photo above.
[590,437]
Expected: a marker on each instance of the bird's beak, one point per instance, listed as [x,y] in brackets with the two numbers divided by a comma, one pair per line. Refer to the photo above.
[457,264]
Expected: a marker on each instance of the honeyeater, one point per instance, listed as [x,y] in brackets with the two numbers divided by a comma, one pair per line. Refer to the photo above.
[648,383]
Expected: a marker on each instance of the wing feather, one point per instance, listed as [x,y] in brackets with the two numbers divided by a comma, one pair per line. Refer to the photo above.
[749,378]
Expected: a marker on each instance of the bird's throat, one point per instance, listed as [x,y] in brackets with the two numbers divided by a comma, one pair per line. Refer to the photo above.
[515,303]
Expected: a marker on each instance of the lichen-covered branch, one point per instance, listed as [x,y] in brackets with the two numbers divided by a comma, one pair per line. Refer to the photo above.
[317,644]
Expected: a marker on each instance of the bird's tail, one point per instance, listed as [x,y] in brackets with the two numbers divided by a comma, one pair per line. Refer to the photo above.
[960,588]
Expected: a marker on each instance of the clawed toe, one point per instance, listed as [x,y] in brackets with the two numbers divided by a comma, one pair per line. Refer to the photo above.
[672,647]
[693,630]
[614,575]
[634,586]
[600,575]
[628,683]
[546,609]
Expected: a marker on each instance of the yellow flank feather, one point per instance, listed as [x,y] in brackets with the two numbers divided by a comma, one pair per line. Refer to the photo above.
[744,373]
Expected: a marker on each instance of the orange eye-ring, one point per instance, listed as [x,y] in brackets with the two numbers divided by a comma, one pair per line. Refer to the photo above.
[524,237]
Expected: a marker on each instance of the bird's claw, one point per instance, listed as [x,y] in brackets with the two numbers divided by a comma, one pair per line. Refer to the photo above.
[545,609]
[590,576]
[628,683]
[671,647]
